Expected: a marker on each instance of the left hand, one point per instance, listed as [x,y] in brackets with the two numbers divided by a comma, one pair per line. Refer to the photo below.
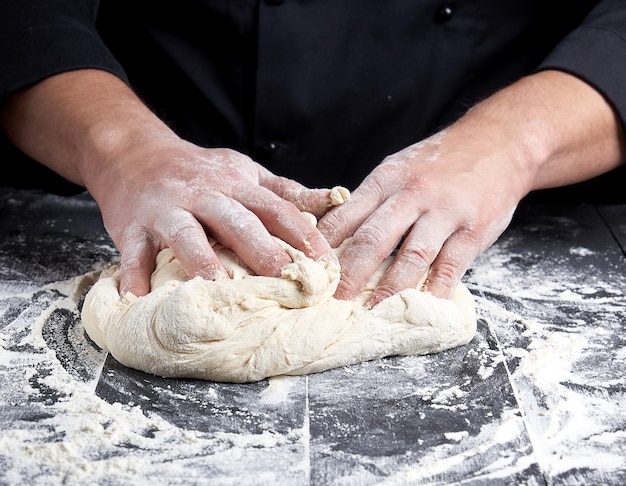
[449,196]
[453,194]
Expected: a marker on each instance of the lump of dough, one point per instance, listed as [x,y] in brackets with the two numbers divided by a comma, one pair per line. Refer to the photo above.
[251,327]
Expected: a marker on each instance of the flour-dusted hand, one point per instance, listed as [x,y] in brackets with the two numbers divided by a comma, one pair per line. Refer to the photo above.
[156,190]
[451,195]
[180,193]
[441,198]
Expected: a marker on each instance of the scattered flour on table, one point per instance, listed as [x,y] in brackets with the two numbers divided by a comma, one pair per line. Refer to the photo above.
[563,332]
[574,419]
[61,432]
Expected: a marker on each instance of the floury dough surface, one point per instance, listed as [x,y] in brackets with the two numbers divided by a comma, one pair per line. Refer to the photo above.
[251,327]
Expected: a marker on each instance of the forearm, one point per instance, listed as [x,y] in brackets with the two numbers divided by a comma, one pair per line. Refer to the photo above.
[76,122]
[449,197]
[554,128]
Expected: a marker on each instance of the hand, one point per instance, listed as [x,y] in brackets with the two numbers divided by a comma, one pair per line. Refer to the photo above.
[155,189]
[174,193]
[453,194]
[441,196]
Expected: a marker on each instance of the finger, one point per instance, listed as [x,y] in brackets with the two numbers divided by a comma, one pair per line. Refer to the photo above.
[314,201]
[371,244]
[239,229]
[283,220]
[181,232]
[342,222]
[455,257]
[138,256]
[414,258]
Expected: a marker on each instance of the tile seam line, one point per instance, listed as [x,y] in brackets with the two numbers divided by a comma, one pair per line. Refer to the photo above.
[518,399]
[307,433]
[610,228]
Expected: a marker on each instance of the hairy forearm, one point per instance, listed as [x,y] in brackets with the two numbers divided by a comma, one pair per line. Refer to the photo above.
[557,129]
[76,122]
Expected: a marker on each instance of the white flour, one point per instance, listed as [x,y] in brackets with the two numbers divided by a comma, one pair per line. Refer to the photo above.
[567,373]
[568,378]
[80,438]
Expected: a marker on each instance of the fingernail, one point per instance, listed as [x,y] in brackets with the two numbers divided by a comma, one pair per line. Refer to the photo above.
[127,297]
[373,301]
[213,272]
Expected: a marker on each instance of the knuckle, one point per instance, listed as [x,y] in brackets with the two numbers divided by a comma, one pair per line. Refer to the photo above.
[333,223]
[374,187]
[385,290]
[182,232]
[130,262]
[138,246]
[446,275]
[132,268]
[179,228]
[370,236]
[346,289]
[416,256]
[416,185]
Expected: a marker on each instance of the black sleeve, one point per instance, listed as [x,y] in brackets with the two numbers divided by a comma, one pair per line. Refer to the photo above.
[596,52]
[40,38]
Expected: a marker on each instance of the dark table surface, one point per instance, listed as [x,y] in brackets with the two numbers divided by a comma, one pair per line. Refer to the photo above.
[538,397]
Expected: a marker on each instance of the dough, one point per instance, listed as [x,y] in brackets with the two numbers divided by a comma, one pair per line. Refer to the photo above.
[251,327]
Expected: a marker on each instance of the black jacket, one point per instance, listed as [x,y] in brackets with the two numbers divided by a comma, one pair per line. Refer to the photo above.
[317,90]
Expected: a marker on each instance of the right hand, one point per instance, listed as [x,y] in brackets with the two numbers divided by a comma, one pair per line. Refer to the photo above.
[173,194]
[156,190]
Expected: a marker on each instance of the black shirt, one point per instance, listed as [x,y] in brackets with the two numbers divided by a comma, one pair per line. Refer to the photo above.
[317,90]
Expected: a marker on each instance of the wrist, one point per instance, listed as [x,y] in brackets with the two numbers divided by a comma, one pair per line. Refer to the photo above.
[115,125]
[552,128]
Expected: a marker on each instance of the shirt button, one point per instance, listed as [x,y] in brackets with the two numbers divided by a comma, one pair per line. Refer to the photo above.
[268,148]
[443,14]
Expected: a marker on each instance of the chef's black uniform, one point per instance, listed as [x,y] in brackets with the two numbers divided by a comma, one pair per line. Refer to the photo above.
[316,90]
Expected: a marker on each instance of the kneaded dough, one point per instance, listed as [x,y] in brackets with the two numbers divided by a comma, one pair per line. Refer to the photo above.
[250,327]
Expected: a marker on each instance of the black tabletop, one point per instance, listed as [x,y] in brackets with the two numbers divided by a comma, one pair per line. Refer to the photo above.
[538,397]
